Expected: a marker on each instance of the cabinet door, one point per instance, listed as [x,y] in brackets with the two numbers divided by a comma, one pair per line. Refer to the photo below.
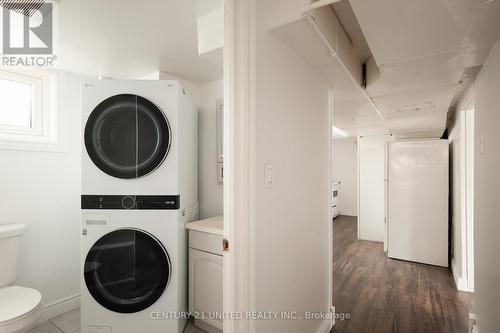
[205,286]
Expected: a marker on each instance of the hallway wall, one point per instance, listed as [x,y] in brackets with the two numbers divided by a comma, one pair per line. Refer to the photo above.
[291,217]
[487,193]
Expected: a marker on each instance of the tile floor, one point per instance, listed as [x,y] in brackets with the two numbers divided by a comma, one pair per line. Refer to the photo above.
[70,323]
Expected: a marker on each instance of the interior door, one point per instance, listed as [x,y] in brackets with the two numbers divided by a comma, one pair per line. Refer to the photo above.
[371,210]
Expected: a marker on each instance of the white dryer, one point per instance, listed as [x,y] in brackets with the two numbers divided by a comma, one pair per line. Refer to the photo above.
[134,270]
[139,188]
[140,138]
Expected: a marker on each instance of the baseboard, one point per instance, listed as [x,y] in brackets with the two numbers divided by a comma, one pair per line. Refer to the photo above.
[325,327]
[348,214]
[461,283]
[327,323]
[59,307]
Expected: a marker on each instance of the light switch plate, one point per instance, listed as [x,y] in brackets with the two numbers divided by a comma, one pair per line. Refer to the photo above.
[482,145]
[268,175]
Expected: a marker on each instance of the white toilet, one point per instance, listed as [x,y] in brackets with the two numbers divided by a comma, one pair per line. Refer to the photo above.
[20,308]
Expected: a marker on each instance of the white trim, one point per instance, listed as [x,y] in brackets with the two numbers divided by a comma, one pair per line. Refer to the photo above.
[36,83]
[469,142]
[51,136]
[239,156]
[59,307]
[460,282]
[330,212]
[462,178]
[358,186]
[465,118]
[325,327]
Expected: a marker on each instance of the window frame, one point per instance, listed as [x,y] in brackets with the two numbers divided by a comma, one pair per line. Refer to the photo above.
[36,84]
[44,132]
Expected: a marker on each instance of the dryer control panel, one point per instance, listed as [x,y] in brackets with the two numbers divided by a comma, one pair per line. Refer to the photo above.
[161,202]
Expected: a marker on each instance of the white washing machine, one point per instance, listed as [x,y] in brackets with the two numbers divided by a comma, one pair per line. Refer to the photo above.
[139,188]
[140,138]
[134,270]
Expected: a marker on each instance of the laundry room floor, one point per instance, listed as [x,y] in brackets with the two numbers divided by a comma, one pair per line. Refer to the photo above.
[70,323]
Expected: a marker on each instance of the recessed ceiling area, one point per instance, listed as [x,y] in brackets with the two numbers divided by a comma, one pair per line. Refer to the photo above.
[423,51]
[419,57]
[130,39]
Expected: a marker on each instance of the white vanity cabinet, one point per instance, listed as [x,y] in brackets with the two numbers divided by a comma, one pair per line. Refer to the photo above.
[205,275]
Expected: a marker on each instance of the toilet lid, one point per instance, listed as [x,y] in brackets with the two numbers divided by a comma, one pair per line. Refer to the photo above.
[17,301]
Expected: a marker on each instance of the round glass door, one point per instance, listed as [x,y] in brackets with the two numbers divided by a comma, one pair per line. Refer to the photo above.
[127,270]
[127,136]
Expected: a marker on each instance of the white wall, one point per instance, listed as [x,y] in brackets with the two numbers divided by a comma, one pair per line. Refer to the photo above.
[42,190]
[487,193]
[345,170]
[209,191]
[291,218]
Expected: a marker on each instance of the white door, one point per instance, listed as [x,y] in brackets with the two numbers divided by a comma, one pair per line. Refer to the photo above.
[371,203]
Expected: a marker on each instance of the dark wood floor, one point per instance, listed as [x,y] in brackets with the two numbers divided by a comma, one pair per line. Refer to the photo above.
[384,295]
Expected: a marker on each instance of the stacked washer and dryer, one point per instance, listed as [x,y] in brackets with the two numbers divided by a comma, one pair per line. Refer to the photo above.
[139,189]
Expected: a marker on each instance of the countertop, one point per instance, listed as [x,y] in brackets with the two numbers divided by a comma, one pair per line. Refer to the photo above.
[213,225]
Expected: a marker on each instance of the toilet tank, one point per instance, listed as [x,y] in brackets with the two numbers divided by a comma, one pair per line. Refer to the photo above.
[10,237]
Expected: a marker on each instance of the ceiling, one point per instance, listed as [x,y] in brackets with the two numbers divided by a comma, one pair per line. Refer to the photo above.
[130,39]
[422,53]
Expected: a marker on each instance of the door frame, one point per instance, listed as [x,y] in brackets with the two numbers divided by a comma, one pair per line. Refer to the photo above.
[469,184]
[239,150]
[240,173]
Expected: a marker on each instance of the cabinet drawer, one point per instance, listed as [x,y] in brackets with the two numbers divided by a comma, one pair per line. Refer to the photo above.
[205,242]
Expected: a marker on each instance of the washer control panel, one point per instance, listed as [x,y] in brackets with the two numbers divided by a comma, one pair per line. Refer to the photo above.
[130,202]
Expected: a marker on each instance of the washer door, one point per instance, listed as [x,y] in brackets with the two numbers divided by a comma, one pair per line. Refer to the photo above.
[127,270]
[127,136]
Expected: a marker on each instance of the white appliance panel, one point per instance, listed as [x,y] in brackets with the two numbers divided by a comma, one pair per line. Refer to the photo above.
[418,201]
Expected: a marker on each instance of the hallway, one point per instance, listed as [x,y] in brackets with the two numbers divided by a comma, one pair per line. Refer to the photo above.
[383,295]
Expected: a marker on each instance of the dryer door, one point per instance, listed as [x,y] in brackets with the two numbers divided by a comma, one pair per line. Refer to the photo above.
[127,136]
[127,270]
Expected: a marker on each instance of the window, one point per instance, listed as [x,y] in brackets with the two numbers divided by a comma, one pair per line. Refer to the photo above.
[27,110]
[15,102]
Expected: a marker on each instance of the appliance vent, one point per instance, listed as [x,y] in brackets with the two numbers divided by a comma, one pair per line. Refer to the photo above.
[24,7]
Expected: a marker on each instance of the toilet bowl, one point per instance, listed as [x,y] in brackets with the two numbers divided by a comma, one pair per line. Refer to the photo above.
[20,307]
